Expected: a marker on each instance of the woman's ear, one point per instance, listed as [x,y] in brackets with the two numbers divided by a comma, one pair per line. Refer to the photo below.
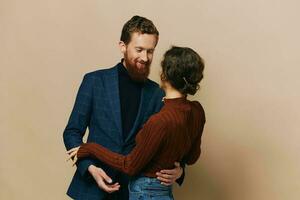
[122,47]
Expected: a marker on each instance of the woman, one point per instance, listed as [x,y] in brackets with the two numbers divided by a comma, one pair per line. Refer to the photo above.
[173,134]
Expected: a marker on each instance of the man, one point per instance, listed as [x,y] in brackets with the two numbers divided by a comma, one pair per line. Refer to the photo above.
[114,103]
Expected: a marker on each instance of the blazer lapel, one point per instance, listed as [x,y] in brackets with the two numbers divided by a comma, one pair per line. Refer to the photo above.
[111,81]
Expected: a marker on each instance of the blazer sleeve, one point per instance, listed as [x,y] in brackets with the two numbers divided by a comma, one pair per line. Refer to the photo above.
[79,120]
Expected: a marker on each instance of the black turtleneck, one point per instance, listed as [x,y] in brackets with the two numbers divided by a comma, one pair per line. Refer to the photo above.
[130,96]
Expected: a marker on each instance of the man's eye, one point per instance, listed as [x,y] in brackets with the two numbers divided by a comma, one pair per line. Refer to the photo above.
[139,50]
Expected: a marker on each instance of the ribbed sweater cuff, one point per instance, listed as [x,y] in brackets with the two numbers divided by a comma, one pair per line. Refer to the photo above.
[84,151]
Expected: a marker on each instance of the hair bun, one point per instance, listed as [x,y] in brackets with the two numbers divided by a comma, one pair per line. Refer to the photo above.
[190,88]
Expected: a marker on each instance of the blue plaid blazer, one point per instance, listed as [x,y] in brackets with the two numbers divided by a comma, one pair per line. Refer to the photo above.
[97,107]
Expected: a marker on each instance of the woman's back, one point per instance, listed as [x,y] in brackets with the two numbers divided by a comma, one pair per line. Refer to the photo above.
[182,122]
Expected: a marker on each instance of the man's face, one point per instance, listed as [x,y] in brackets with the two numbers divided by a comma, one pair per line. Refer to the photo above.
[138,54]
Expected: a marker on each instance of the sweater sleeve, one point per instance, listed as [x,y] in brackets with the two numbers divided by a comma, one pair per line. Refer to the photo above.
[195,151]
[148,141]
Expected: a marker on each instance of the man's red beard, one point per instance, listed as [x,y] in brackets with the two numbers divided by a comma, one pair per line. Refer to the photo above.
[138,70]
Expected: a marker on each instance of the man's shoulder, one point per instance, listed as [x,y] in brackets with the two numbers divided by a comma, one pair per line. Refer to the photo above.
[101,72]
[155,88]
[153,85]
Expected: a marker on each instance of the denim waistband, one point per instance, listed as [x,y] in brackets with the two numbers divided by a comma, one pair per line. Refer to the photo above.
[148,185]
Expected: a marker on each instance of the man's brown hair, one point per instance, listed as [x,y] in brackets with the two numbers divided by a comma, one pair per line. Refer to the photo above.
[137,24]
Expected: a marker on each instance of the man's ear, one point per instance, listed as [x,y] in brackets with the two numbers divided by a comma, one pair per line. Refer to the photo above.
[122,47]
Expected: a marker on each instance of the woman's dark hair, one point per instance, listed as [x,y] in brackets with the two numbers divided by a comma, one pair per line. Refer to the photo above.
[183,68]
[137,24]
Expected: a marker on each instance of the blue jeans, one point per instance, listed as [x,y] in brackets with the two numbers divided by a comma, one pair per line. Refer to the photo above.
[145,188]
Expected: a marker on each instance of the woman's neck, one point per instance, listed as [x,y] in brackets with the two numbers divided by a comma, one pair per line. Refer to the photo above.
[172,93]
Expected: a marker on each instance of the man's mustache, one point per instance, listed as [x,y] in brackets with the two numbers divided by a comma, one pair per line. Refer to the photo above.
[143,62]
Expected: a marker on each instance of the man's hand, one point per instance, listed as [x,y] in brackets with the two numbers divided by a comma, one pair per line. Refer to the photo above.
[103,180]
[98,174]
[168,177]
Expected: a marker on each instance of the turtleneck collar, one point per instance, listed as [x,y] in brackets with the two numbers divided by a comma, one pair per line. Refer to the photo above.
[175,101]
[122,69]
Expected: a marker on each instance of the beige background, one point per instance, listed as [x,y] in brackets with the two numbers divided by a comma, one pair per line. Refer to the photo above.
[250,91]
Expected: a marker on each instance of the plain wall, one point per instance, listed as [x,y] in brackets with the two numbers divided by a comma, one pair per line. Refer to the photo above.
[250,92]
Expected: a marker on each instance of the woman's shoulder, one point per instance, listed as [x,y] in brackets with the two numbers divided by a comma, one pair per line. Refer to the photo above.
[196,105]
[163,117]
[166,119]
[197,108]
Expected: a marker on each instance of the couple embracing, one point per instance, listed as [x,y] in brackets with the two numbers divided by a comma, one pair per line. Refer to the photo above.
[141,134]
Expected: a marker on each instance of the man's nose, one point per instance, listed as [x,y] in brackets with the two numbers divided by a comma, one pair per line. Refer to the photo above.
[144,56]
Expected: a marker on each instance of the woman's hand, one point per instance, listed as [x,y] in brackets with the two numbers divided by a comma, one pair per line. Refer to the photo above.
[72,155]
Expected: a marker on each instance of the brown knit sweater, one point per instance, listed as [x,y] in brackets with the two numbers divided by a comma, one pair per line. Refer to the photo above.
[173,134]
